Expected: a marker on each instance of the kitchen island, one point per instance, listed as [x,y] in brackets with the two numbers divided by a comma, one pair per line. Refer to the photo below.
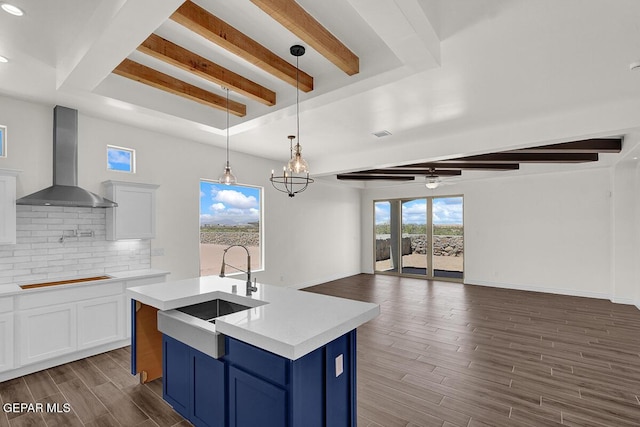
[287,358]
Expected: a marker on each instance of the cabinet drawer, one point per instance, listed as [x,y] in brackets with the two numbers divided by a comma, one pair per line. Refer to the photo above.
[68,294]
[255,360]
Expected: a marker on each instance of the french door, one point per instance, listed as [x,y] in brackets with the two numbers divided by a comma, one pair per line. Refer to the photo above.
[420,237]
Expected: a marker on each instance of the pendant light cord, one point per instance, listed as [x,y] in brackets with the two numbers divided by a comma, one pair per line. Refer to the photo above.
[297,100]
[227,127]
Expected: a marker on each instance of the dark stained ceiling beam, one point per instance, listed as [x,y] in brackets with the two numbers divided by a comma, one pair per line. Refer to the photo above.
[529,158]
[403,171]
[596,145]
[455,165]
[294,18]
[217,31]
[358,177]
[143,74]
[186,60]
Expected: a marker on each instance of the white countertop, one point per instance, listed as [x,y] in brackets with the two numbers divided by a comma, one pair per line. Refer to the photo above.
[290,323]
[15,289]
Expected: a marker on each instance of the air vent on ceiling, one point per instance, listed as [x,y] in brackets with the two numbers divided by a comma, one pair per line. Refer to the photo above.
[382,133]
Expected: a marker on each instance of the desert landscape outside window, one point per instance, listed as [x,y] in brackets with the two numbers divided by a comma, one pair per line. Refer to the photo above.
[229,215]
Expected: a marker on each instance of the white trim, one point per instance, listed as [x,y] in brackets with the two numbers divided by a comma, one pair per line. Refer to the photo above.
[533,288]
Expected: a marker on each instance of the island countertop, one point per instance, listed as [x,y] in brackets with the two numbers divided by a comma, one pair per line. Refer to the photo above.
[290,323]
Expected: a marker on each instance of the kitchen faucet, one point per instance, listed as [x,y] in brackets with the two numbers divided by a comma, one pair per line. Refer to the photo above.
[250,288]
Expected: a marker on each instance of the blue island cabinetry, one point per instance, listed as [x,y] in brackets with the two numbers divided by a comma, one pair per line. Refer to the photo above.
[250,387]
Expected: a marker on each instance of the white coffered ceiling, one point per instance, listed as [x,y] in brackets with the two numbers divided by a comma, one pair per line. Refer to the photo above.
[447,78]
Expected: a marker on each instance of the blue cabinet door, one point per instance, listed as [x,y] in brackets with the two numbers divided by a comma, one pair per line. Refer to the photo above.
[176,389]
[208,403]
[255,402]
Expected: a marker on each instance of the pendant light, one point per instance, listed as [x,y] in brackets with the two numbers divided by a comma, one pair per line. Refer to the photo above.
[227,176]
[295,175]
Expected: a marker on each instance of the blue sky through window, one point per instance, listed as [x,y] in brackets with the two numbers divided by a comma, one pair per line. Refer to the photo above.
[228,204]
[446,210]
[2,142]
[120,159]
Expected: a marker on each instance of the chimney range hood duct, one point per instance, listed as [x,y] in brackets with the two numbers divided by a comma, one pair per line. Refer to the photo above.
[65,190]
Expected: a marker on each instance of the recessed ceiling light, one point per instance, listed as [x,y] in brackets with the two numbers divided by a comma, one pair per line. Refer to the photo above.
[14,10]
[3,59]
[635,65]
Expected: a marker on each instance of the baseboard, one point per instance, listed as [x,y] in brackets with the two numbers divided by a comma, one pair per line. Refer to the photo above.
[60,360]
[533,288]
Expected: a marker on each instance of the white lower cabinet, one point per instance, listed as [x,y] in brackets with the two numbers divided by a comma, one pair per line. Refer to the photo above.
[6,341]
[47,332]
[100,321]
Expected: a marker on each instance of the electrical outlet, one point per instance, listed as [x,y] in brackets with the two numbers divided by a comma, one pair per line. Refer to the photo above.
[339,365]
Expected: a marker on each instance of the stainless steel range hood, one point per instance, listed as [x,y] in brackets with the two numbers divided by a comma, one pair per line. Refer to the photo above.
[65,190]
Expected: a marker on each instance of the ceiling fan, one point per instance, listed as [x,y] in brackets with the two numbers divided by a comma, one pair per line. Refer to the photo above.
[433,180]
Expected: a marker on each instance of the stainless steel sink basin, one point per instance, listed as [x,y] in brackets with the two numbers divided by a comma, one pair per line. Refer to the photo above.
[195,325]
[209,310]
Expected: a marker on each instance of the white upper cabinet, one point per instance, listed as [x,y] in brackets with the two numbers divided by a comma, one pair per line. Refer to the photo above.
[7,206]
[135,216]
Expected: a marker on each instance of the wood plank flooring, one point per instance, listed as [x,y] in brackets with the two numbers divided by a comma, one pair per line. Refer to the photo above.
[440,354]
[447,354]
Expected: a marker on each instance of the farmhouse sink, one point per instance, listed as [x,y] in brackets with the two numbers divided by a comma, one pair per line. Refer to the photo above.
[195,326]
[209,310]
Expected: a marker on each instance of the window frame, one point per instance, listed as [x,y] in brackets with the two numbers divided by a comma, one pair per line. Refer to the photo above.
[3,141]
[260,224]
[132,151]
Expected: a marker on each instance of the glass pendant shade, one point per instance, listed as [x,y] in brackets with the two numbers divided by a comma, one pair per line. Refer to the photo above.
[297,164]
[227,176]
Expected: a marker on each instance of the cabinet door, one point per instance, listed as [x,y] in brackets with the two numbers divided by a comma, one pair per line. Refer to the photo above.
[100,321]
[208,387]
[7,209]
[6,341]
[47,332]
[135,216]
[254,402]
[176,374]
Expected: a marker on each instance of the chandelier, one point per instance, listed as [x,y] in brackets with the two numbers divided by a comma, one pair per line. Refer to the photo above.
[295,174]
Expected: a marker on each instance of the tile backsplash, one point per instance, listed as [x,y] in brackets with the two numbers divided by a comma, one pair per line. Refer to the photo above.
[42,253]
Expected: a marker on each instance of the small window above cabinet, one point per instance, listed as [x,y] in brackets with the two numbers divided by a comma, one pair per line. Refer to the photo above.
[135,216]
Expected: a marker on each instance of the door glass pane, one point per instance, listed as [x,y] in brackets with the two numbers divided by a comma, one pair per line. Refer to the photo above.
[414,237]
[386,249]
[448,237]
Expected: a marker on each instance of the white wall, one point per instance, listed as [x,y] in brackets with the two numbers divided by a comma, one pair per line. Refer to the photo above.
[546,232]
[308,239]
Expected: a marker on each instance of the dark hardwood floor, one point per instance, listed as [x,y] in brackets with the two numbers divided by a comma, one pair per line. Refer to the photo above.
[446,354]
[439,354]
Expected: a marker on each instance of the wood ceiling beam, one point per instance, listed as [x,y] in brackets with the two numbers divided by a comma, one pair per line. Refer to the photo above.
[294,18]
[528,158]
[461,165]
[224,35]
[411,171]
[596,145]
[355,177]
[140,73]
[186,60]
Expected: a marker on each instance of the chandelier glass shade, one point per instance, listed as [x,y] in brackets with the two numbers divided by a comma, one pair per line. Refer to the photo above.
[227,176]
[295,174]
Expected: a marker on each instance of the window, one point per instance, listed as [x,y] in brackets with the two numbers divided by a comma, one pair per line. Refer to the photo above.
[229,215]
[3,141]
[420,237]
[121,159]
